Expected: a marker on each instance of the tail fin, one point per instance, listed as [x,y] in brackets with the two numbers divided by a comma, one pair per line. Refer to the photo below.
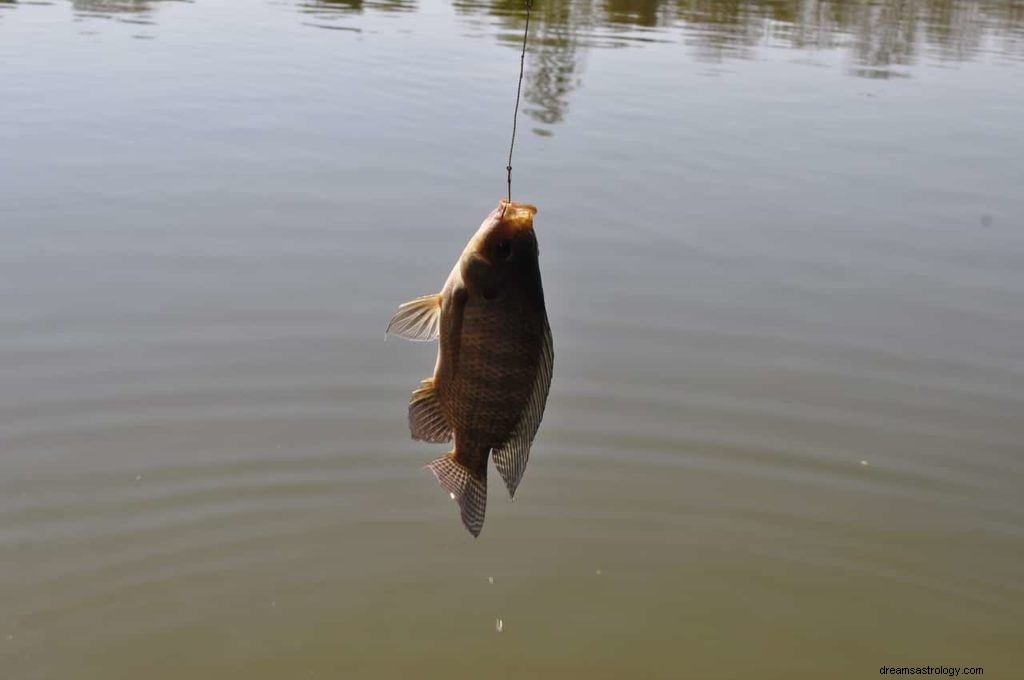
[465,488]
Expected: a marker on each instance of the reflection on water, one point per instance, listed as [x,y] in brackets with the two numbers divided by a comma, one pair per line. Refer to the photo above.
[132,11]
[141,12]
[559,32]
[342,7]
[883,39]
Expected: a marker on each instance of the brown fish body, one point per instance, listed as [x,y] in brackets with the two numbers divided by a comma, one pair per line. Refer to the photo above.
[494,361]
[487,371]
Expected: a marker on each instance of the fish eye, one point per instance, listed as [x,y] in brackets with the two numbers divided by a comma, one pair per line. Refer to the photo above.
[502,249]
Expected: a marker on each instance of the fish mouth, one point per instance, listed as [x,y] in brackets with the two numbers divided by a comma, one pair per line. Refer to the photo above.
[516,215]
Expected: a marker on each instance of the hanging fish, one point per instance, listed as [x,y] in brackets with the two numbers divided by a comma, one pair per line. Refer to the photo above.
[494,360]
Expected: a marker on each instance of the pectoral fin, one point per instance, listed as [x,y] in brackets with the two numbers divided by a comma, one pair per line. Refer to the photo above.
[417,319]
[427,421]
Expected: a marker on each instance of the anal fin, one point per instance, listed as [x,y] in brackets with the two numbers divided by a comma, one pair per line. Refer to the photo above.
[464,488]
[427,421]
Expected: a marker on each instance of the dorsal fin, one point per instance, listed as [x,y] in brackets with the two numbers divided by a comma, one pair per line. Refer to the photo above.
[418,319]
[427,421]
[510,459]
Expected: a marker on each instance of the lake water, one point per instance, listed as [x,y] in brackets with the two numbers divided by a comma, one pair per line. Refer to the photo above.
[783,252]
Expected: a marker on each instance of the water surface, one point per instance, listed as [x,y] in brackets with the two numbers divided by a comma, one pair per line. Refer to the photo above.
[783,251]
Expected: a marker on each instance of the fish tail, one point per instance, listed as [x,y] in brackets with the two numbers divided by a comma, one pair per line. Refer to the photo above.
[467,488]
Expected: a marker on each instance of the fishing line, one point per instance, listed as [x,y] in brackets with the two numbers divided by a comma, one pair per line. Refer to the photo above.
[519,88]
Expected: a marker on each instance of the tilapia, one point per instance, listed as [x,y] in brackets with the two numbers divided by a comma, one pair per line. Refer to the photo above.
[494,360]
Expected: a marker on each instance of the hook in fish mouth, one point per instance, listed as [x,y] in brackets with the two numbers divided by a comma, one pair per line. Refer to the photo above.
[516,215]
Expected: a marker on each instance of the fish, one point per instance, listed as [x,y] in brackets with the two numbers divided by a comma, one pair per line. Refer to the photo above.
[494,363]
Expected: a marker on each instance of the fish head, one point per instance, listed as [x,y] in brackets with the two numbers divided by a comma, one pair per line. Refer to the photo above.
[503,252]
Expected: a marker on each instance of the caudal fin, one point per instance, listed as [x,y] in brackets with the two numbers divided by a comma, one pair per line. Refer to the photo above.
[464,488]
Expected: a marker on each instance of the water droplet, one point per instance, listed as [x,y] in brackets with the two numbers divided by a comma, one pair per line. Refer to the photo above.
[499,625]
[598,572]
[138,478]
[490,579]
[864,462]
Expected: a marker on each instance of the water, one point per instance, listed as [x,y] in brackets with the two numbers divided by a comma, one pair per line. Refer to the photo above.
[783,250]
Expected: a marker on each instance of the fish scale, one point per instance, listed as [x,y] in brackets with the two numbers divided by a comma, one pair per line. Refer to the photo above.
[486,396]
